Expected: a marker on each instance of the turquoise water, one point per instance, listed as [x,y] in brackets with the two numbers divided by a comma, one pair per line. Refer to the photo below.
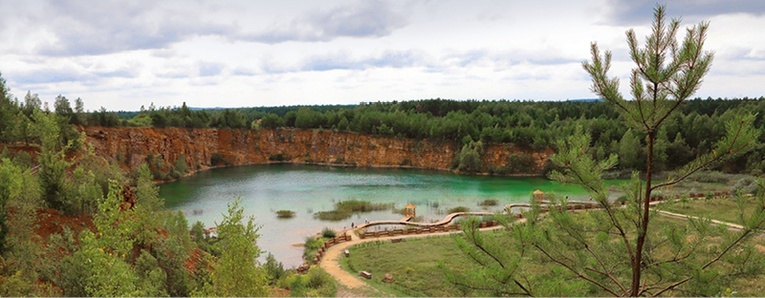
[308,189]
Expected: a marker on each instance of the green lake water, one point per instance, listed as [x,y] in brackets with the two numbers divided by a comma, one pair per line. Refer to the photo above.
[309,189]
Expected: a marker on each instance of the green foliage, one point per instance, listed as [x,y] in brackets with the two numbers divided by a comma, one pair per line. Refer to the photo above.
[274,269]
[469,158]
[278,157]
[285,214]
[344,209]
[307,118]
[311,247]
[317,283]
[629,150]
[518,163]
[216,159]
[489,202]
[151,278]
[99,267]
[271,121]
[236,272]
[328,232]
[180,164]
[333,215]
[11,188]
[458,209]
[52,161]
[19,245]
[172,252]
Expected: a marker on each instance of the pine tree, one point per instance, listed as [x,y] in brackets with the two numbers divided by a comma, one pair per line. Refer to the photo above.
[612,250]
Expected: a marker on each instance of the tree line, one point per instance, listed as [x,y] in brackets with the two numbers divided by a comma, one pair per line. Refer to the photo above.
[690,132]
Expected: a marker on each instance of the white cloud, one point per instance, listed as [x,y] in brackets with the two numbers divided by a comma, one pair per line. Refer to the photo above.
[122,55]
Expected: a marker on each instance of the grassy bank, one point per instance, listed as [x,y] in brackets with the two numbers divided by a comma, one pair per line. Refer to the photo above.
[414,262]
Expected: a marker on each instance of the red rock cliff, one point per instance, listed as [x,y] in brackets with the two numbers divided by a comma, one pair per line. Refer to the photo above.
[131,146]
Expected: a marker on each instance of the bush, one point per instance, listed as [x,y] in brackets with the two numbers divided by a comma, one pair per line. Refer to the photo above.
[274,269]
[174,174]
[458,209]
[328,233]
[180,164]
[311,247]
[320,283]
[711,177]
[745,185]
[316,283]
[489,202]
[333,215]
[344,210]
[277,157]
[362,206]
[285,214]
[216,159]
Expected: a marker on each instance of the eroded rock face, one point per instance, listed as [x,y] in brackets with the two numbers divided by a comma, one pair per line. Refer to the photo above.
[206,148]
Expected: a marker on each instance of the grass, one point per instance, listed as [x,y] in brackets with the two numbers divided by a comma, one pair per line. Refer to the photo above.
[488,203]
[414,263]
[285,214]
[344,210]
[723,209]
[328,232]
[458,209]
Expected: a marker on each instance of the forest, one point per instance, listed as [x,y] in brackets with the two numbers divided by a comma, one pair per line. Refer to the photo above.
[106,232]
[527,124]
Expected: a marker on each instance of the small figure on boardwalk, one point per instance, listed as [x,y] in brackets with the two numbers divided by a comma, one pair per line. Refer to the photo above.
[352,225]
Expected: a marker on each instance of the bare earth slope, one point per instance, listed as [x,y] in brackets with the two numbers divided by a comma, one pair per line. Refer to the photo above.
[130,146]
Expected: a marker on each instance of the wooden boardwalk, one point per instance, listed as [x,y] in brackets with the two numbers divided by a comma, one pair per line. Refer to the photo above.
[406,220]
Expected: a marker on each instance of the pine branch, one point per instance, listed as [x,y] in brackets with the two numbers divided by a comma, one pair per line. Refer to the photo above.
[577,273]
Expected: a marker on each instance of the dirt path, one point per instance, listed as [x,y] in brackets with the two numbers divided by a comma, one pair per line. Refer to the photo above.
[713,221]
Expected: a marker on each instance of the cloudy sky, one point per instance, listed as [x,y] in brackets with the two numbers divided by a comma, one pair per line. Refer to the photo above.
[124,54]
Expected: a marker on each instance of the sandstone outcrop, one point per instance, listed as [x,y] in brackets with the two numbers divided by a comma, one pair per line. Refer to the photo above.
[205,148]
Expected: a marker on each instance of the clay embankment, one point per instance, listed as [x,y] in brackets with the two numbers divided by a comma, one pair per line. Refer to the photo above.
[206,148]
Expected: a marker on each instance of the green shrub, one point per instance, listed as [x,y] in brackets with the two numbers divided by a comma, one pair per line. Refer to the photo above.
[285,214]
[711,177]
[344,210]
[328,233]
[320,283]
[217,159]
[489,202]
[362,206]
[277,157]
[317,283]
[333,215]
[746,185]
[311,247]
[180,164]
[174,174]
[458,209]
[274,269]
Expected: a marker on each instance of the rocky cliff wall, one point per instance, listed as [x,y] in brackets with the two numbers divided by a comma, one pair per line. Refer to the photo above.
[205,148]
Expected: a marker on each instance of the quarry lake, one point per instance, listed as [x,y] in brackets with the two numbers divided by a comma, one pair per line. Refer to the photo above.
[310,189]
